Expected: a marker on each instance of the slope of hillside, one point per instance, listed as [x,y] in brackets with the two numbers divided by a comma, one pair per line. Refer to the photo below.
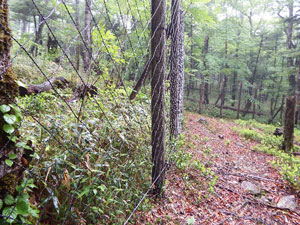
[249,190]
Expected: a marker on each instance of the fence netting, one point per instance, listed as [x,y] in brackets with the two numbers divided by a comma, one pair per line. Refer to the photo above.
[82,147]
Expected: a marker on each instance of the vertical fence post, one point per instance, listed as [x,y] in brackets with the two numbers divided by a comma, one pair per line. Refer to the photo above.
[158,41]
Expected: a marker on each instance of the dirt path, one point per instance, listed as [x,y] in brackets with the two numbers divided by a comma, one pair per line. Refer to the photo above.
[230,157]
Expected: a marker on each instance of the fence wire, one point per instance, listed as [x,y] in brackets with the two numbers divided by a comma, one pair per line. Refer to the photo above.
[85,157]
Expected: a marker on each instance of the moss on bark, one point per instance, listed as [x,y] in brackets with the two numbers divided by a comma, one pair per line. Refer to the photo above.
[8,90]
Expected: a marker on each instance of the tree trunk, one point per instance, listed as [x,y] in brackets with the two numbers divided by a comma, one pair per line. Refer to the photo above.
[289,35]
[174,70]
[205,83]
[234,88]
[201,100]
[77,54]
[289,123]
[24,26]
[141,80]
[298,95]
[279,110]
[87,53]
[206,93]
[235,73]
[223,95]
[9,175]
[191,59]
[254,104]
[158,41]
[181,72]
[282,108]
[271,108]
[252,79]
[39,27]
[239,102]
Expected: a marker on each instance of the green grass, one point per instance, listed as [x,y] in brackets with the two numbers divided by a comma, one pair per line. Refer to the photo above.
[287,164]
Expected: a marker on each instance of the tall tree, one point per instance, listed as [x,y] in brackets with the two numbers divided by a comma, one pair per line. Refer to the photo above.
[176,71]
[289,29]
[158,37]
[77,17]
[87,53]
[203,95]
[10,171]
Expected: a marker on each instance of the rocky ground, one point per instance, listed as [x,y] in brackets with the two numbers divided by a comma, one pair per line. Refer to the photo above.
[248,190]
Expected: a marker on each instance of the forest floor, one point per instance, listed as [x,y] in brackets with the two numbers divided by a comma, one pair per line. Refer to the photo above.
[187,199]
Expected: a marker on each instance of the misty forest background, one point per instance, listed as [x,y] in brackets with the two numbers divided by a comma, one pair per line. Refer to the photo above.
[79,131]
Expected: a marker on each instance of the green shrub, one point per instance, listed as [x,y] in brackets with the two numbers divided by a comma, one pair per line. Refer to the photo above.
[94,166]
[251,134]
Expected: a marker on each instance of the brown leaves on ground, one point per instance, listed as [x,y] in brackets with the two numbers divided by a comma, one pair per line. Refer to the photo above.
[187,200]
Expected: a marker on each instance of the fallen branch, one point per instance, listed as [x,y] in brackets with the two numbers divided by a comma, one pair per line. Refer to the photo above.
[241,110]
[273,117]
[59,82]
[141,80]
[249,177]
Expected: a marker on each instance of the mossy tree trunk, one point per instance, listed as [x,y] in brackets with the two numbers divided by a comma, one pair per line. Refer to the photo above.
[8,90]
[289,122]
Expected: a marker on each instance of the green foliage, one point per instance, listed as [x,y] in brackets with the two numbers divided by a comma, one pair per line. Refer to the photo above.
[185,163]
[250,134]
[18,209]
[288,165]
[11,117]
[100,160]
[106,41]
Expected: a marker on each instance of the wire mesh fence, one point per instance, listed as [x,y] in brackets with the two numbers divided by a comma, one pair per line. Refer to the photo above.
[75,147]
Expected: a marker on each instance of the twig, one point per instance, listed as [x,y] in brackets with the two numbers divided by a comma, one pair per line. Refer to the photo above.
[249,177]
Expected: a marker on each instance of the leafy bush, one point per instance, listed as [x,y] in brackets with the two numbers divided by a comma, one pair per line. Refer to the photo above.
[251,134]
[18,208]
[91,167]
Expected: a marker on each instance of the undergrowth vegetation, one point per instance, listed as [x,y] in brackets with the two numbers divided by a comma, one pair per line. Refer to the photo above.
[288,164]
[190,167]
[92,157]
